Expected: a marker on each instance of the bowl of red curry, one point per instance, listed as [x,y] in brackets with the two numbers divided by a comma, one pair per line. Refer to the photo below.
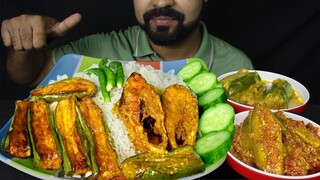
[247,88]
[275,145]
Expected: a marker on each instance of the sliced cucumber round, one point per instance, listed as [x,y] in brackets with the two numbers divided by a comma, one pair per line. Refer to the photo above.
[188,71]
[212,97]
[216,118]
[213,146]
[203,83]
[219,85]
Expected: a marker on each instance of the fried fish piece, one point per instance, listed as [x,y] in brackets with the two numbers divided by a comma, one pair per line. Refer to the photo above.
[105,155]
[181,115]
[66,125]
[43,136]
[141,111]
[80,86]
[18,144]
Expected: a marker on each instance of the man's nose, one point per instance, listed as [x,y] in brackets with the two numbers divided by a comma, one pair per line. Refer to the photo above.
[162,3]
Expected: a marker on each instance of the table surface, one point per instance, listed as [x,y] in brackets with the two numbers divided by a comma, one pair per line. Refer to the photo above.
[223,172]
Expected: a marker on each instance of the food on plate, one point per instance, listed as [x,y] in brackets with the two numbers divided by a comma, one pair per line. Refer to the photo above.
[46,154]
[147,127]
[100,143]
[274,143]
[181,115]
[203,82]
[17,143]
[216,118]
[178,163]
[190,70]
[111,77]
[248,88]
[70,139]
[116,66]
[77,85]
[102,82]
[215,96]
[213,146]
[141,112]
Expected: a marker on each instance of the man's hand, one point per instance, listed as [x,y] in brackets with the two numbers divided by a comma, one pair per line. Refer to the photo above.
[27,32]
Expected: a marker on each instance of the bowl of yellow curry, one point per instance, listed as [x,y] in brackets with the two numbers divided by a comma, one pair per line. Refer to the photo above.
[247,88]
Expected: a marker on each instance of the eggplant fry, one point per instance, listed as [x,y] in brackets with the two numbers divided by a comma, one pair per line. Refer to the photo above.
[70,85]
[141,111]
[66,117]
[19,144]
[181,115]
[178,163]
[105,155]
[43,138]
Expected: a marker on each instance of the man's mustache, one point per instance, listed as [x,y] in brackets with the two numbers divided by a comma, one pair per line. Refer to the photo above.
[166,11]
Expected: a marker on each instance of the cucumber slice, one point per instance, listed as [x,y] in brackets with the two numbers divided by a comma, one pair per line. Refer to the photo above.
[188,71]
[203,82]
[216,118]
[219,85]
[213,146]
[212,97]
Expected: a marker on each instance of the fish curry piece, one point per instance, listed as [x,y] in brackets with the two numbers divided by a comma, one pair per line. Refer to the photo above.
[17,142]
[46,151]
[181,115]
[105,155]
[70,140]
[75,85]
[274,143]
[141,111]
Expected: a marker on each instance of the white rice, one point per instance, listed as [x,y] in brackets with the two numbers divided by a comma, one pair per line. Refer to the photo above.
[123,146]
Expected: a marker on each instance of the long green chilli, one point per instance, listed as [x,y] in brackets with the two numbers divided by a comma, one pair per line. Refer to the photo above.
[89,136]
[111,77]
[102,81]
[116,66]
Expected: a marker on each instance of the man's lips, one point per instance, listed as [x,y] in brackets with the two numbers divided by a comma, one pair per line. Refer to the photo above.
[163,21]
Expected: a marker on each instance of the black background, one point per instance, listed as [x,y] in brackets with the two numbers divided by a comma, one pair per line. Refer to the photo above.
[281,36]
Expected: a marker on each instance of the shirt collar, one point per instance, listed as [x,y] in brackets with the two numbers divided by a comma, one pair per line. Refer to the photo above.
[142,45]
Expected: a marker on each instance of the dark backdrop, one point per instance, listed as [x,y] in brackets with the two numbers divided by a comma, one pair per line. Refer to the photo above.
[278,35]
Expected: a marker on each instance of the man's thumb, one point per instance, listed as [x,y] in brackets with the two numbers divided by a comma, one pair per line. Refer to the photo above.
[62,27]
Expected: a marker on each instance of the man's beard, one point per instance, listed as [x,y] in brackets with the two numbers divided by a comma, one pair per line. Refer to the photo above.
[161,36]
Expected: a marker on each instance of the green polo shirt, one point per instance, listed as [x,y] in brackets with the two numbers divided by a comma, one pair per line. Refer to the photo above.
[132,44]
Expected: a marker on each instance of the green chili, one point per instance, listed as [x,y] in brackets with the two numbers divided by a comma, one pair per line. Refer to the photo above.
[102,81]
[116,66]
[111,77]
[91,146]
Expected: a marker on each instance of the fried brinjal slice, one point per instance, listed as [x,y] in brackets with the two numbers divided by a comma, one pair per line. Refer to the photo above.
[70,140]
[45,148]
[181,162]
[104,154]
[17,142]
[262,134]
[75,85]
[141,111]
[181,115]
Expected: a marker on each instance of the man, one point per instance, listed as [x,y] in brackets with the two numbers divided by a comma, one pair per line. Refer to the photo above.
[169,30]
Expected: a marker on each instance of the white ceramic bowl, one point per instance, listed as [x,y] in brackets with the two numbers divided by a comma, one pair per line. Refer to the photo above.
[250,172]
[301,90]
